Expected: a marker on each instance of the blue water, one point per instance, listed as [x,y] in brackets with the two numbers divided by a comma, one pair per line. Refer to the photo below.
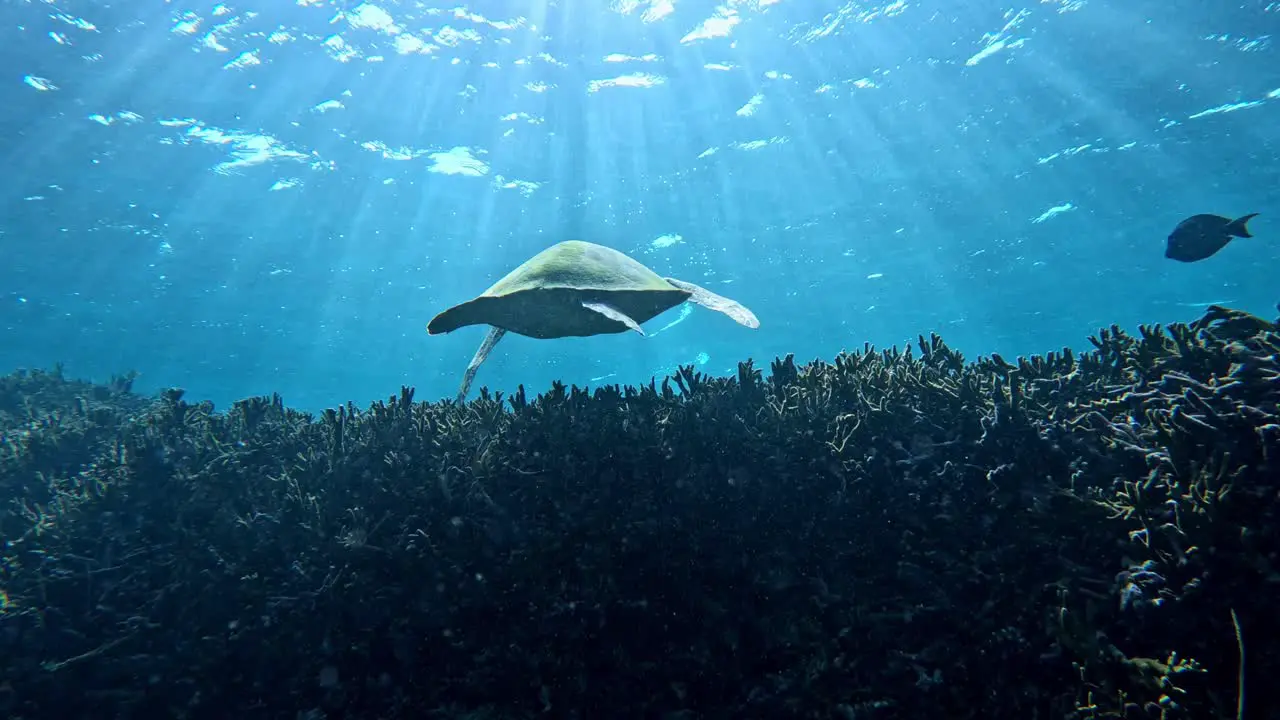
[252,197]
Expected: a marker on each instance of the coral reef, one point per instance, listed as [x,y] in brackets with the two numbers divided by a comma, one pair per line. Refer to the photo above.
[897,533]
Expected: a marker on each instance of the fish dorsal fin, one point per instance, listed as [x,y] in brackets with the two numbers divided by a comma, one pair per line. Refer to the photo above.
[707,299]
[613,313]
[486,346]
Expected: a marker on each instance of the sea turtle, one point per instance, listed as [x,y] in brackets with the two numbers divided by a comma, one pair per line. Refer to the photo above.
[574,289]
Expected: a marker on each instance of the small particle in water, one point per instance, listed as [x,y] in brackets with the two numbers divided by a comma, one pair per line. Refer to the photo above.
[703,358]
[875,276]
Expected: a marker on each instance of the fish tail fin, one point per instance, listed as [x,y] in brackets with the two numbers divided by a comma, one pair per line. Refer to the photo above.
[1240,226]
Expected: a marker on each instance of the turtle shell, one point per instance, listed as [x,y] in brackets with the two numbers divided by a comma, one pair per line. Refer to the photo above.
[543,298]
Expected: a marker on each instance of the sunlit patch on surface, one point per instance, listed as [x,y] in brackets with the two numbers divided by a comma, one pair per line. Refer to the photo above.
[524,187]
[622,57]
[39,83]
[666,241]
[458,161]
[653,10]
[187,24]
[124,116]
[751,106]
[634,80]
[249,58]
[759,144]
[1002,39]
[389,153]
[851,13]
[246,149]
[1231,107]
[717,26]
[1053,212]
[367,16]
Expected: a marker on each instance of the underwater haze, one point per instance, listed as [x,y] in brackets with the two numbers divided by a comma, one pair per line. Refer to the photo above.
[246,197]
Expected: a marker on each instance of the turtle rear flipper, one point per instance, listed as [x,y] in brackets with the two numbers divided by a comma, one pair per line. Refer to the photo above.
[486,346]
[613,313]
[719,303]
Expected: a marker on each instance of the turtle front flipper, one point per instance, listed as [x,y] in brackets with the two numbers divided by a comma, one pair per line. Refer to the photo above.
[486,347]
[614,313]
[719,303]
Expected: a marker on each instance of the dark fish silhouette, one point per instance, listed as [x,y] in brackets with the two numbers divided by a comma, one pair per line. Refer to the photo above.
[1200,236]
